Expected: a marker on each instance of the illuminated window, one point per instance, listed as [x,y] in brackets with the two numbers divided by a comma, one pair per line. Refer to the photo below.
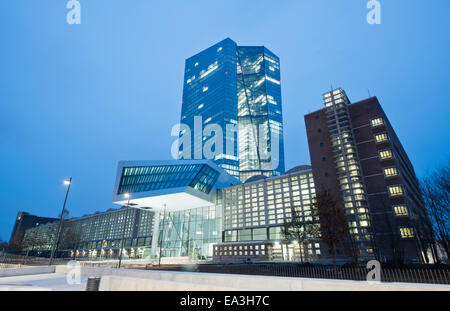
[377,122]
[379,138]
[395,190]
[272,80]
[401,210]
[406,233]
[386,154]
[211,68]
[390,172]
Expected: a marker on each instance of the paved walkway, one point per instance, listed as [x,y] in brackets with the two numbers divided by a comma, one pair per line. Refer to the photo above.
[49,281]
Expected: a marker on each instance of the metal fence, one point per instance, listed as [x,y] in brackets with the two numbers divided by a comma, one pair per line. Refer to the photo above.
[430,275]
[14,261]
[422,274]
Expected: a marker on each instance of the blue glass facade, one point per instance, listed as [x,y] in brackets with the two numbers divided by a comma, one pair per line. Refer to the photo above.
[238,87]
[261,145]
[149,178]
[210,93]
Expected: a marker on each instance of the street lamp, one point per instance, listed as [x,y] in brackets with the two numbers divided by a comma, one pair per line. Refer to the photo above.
[162,236]
[56,241]
[127,196]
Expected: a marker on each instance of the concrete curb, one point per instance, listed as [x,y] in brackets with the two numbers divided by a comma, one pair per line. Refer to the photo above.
[26,271]
[131,279]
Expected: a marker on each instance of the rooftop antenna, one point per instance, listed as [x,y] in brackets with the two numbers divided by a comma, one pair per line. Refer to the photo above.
[368,91]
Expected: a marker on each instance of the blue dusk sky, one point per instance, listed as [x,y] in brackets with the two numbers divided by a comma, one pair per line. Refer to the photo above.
[76,99]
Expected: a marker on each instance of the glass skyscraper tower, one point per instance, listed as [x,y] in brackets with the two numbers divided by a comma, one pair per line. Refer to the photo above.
[239,89]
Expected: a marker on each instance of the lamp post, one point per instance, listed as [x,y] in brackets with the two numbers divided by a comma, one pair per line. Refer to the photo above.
[56,241]
[127,196]
[162,236]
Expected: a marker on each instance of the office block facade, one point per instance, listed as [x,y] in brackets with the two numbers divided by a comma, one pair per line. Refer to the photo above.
[238,89]
[357,156]
[99,235]
[255,212]
[23,222]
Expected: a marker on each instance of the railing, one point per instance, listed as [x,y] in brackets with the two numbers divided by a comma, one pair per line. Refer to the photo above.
[430,275]
[423,274]
[15,261]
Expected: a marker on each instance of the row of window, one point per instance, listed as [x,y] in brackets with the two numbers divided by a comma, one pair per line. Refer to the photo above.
[406,232]
[239,247]
[347,164]
[267,202]
[240,253]
[395,190]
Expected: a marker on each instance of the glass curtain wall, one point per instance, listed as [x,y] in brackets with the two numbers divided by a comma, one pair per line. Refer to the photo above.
[190,233]
[209,93]
[259,113]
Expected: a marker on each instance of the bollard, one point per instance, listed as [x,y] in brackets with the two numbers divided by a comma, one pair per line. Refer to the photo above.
[93,284]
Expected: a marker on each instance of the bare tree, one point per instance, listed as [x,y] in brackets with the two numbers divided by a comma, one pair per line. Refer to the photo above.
[300,230]
[333,223]
[70,240]
[31,241]
[435,191]
[397,252]
[3,244]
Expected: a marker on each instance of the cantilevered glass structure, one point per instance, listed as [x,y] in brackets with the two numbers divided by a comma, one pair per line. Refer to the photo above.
[172,185]
[157,177]
[239,89]
[185,196]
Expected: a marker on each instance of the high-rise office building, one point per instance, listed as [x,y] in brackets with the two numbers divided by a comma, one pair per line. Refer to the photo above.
[195,209]
[356,154]
[239,89]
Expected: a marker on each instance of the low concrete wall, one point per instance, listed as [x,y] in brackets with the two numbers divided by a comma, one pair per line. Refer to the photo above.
[26,271]
[120,283]
[129,279]
[23,288]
